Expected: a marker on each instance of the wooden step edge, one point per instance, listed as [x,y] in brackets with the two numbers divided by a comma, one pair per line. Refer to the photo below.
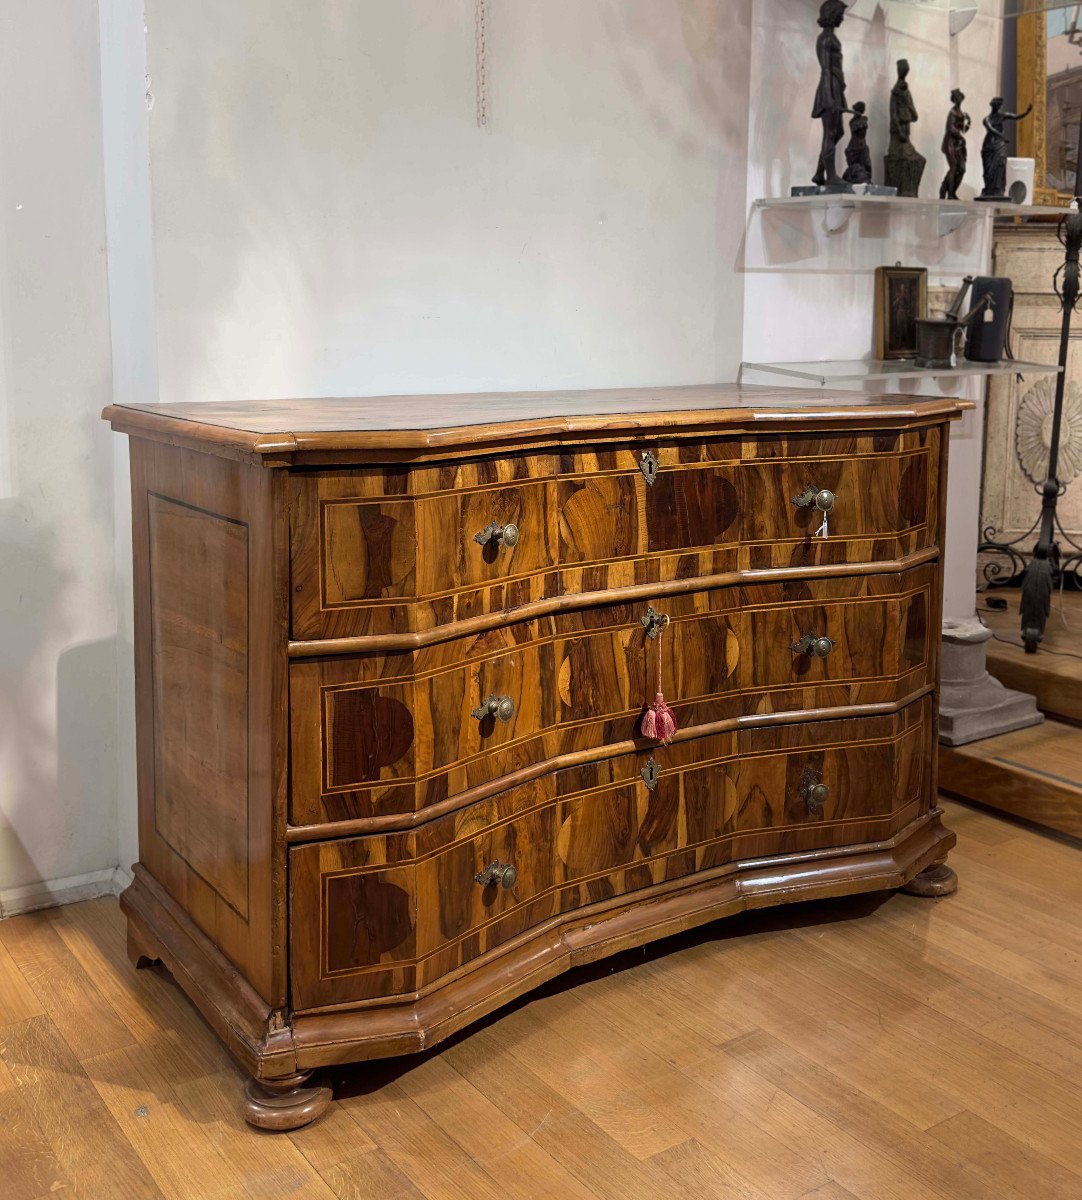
[994,775]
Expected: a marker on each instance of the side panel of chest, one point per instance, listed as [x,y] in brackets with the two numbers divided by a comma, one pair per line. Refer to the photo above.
[211,697]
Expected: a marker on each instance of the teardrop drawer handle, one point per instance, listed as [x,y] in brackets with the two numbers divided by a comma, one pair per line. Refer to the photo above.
[812,497]
[814,791]
[813,646]
[500,707]
[497,874]
[506,534]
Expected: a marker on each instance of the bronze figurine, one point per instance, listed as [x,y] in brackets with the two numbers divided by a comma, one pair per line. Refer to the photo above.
[994,150]
[904,164]
[954,147]
[830,103]
[858,157]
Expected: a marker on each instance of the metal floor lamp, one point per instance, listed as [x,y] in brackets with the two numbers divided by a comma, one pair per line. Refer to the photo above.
[1049,565]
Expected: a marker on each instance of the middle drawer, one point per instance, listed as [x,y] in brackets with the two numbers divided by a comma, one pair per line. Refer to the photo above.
[385,734]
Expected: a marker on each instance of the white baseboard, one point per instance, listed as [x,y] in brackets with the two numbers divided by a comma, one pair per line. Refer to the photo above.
[50,893]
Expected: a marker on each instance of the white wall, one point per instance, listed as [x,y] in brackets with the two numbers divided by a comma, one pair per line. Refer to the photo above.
[126,102]
[58,657]
[329,219]
[809,294]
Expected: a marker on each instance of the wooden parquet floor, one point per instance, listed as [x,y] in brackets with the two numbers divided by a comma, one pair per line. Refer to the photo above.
[885,1048]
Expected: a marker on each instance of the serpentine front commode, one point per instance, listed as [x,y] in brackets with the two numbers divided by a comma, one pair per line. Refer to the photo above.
[393,660]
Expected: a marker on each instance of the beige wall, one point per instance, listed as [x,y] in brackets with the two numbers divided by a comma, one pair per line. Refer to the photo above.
[58,660]
[329,219]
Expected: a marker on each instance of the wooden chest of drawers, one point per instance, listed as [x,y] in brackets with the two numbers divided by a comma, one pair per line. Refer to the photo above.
[392,661]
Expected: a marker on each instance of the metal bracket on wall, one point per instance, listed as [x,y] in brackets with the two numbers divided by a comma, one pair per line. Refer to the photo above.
[836,215]
[952,219]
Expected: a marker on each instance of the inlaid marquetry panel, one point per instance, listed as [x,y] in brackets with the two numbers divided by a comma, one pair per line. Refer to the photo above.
[383,915]
[727,504]
[391,550]
[376,735]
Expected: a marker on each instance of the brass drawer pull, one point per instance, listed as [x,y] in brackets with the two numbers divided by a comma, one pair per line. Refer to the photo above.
[507,534]
[651,773]
[812,497]
[813,646]
[649,466]
[821,499]
[813,791]
[500,707]
[653,622]
[497,874]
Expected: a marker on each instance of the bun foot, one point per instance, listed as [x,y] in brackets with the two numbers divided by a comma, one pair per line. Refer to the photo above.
[284,1104]
[937,880]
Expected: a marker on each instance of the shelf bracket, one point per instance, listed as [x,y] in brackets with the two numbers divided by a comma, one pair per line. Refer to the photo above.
[836,215]
[952,219]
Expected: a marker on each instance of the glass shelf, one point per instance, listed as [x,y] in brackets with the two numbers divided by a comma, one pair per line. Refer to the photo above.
[910,204]
[1012,9]
[837,209]
[861,371]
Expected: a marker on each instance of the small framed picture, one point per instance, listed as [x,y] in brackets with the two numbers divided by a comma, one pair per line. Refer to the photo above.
[901,298]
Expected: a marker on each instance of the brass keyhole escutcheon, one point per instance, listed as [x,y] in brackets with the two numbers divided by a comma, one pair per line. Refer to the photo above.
[649,467]
[650,773]
[653,622]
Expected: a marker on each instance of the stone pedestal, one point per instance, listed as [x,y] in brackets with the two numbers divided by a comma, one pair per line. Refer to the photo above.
[973,705]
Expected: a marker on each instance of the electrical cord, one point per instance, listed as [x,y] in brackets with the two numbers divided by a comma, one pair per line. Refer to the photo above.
[1020,645]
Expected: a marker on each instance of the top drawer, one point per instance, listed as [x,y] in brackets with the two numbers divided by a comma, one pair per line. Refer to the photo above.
[396,550]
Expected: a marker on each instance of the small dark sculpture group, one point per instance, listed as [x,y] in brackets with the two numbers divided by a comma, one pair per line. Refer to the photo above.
[904,164]
[954,147]
[830,105]
[994,150]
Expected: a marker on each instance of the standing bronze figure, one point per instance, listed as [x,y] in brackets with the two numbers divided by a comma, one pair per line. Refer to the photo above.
[904,165]
[858,158]
[830,103]
[954,147]
[994,150]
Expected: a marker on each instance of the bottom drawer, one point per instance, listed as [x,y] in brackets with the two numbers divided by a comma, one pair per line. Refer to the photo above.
[384,915]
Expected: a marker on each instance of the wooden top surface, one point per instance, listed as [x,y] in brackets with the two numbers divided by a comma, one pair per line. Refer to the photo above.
[284,428]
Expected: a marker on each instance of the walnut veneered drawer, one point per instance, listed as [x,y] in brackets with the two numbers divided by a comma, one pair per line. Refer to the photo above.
[729,504]
[385,915]
[394,550]
[376,735]
[390,549]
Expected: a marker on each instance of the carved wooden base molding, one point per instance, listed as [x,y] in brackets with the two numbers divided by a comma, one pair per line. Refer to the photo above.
[279,1056]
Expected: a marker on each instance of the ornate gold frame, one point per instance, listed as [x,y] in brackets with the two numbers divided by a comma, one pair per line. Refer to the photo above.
[1032,72]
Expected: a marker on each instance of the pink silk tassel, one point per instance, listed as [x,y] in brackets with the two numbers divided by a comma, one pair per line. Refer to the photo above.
[659,721]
